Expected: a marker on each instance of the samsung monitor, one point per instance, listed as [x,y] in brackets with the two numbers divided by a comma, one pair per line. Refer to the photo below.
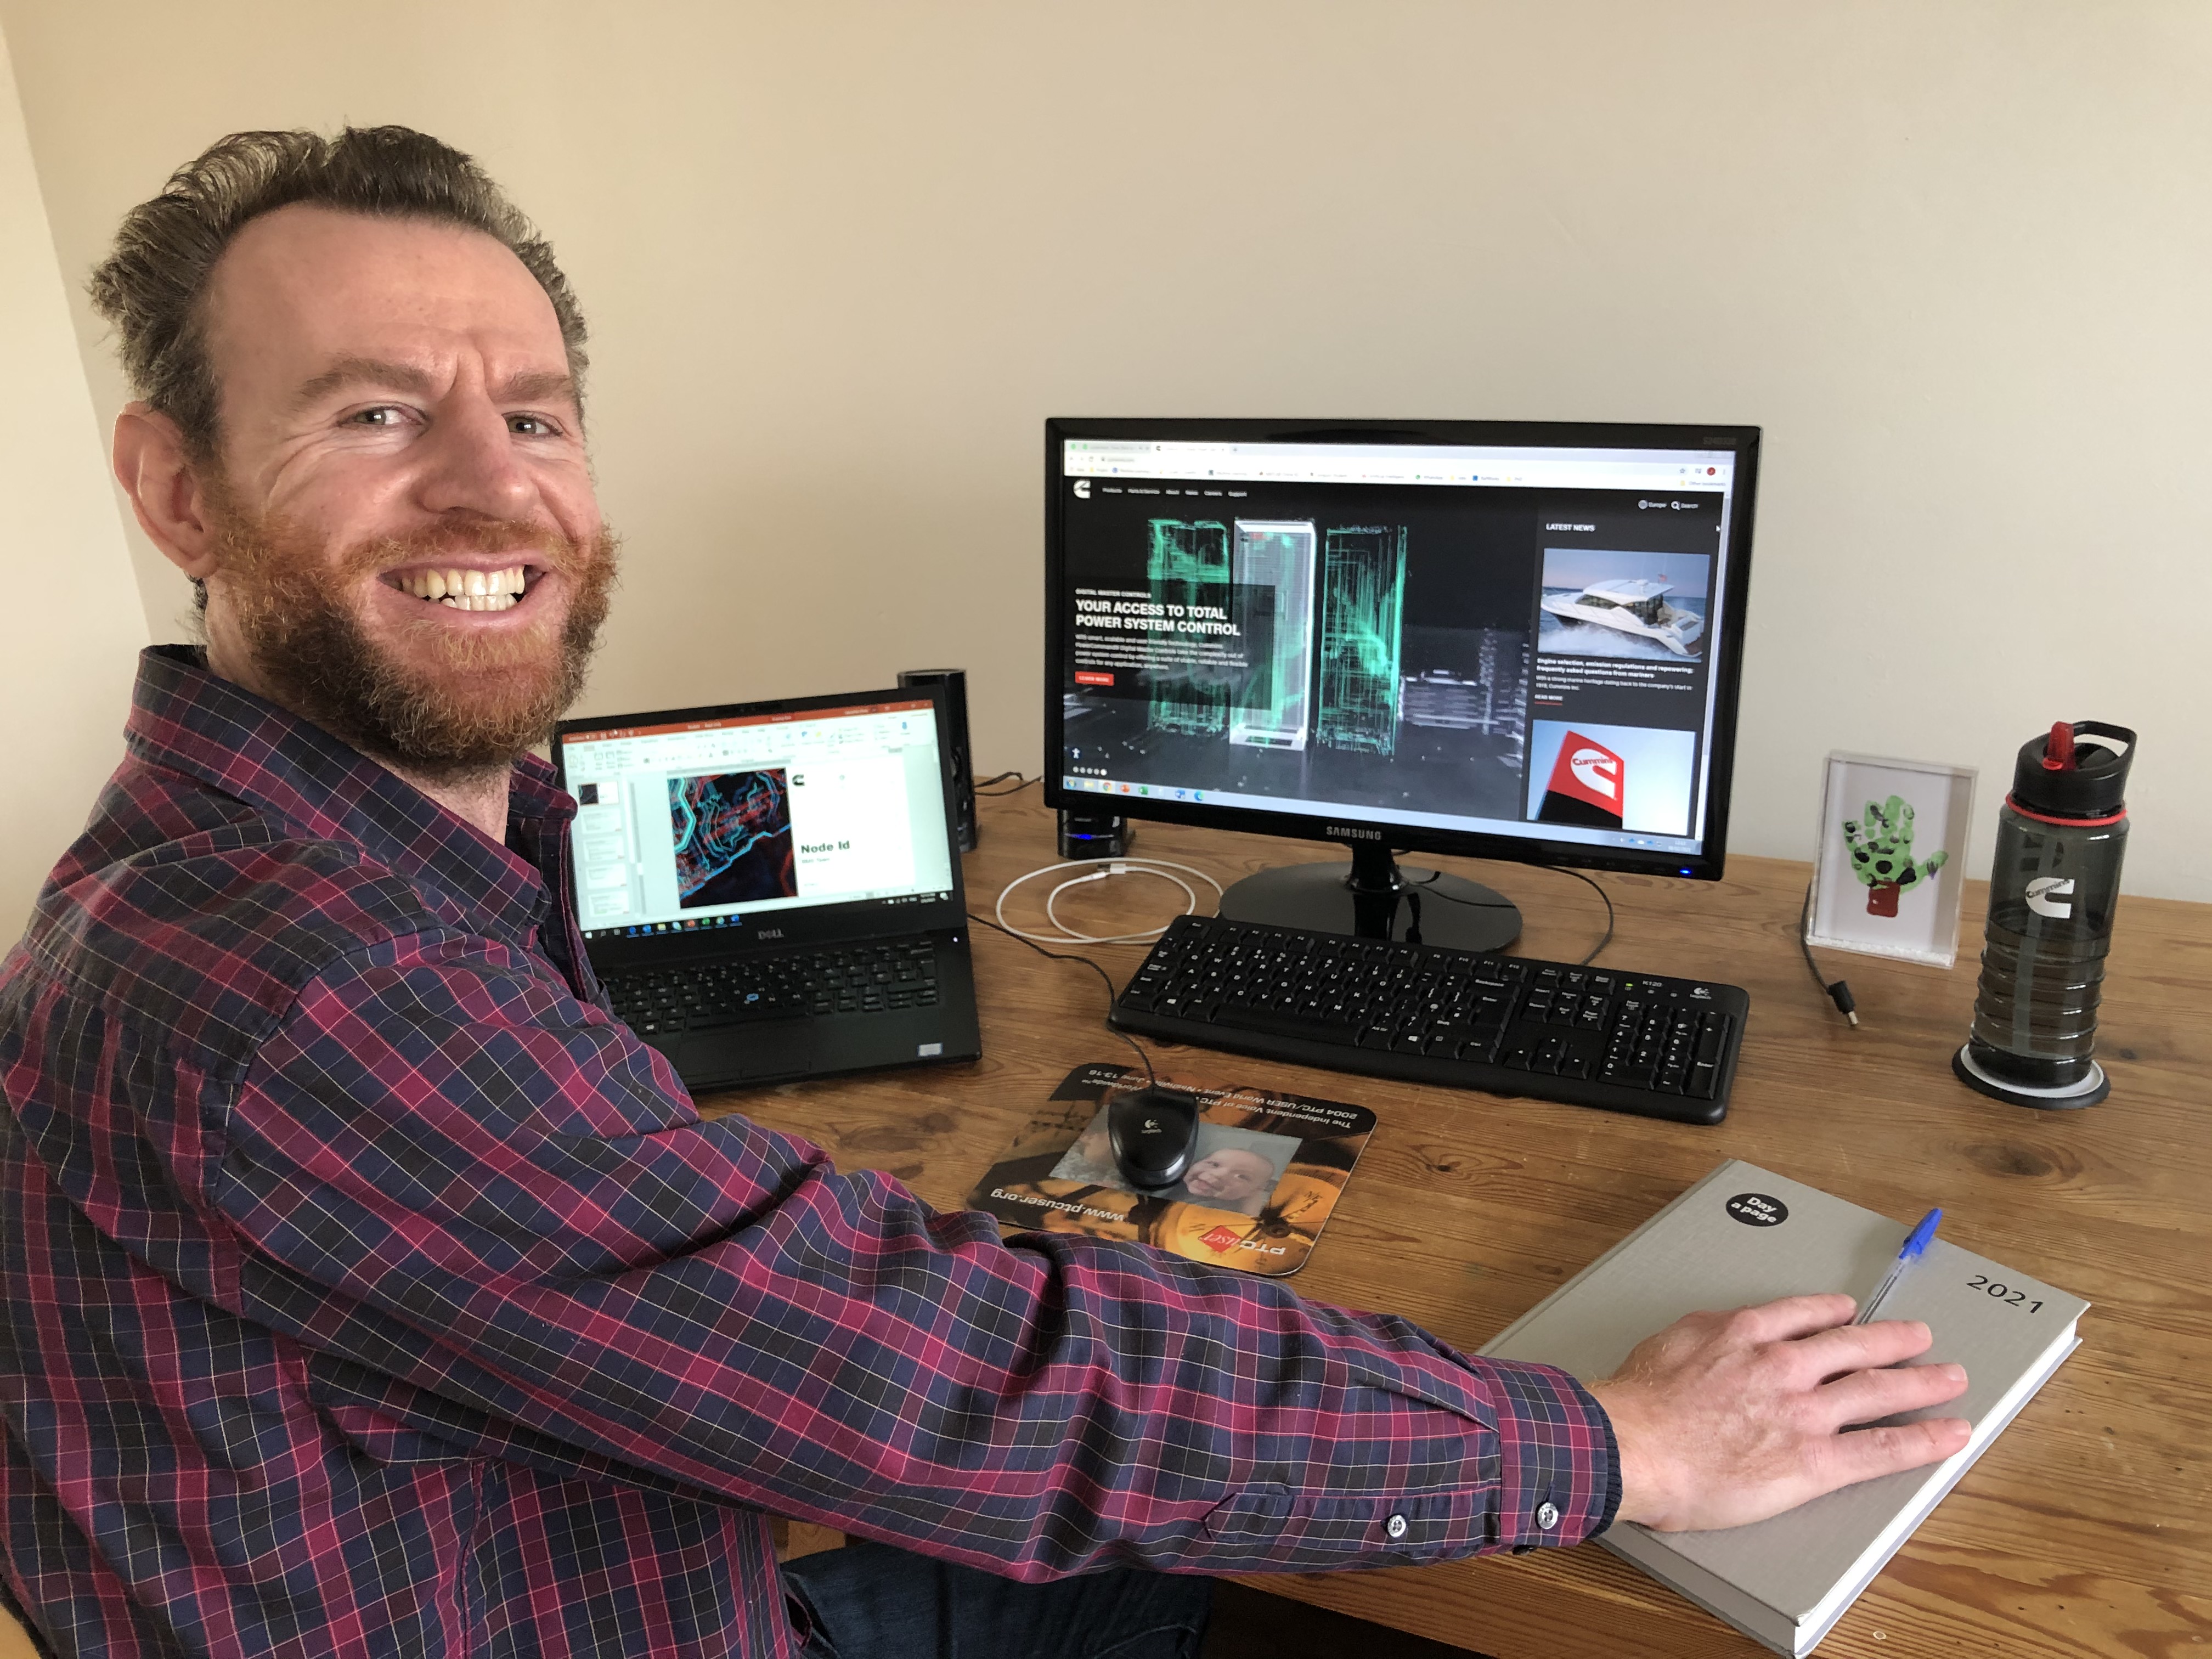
[1500,639]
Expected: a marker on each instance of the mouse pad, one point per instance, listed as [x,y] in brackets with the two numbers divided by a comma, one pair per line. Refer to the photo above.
[1263,1180]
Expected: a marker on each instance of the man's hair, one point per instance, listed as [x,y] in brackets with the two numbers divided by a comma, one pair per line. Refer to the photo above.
[153,288]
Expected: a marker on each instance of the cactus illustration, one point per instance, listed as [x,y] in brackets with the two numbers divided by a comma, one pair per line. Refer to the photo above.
[1881,854]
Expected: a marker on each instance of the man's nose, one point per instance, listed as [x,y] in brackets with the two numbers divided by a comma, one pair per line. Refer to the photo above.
[471,463]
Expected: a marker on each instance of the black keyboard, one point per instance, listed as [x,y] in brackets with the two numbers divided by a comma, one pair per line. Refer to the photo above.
[853,979]
[1627,1042]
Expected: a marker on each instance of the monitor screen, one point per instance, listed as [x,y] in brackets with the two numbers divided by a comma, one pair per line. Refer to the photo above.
[1513,642]
[707,819]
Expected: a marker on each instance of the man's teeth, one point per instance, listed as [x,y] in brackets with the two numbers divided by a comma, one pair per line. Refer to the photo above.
[466,590]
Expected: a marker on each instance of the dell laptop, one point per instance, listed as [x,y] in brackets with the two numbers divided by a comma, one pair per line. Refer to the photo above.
[770,891]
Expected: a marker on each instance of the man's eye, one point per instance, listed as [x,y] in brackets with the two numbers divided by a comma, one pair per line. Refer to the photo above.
[382,414]
[535,426]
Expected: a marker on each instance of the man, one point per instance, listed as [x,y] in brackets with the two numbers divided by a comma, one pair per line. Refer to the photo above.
[369,1289]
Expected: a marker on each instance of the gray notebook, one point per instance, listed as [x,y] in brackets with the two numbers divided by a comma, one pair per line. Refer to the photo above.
[1744,1235]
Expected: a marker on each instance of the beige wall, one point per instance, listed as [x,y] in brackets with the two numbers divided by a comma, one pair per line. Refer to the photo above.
[74,621]
[841,260]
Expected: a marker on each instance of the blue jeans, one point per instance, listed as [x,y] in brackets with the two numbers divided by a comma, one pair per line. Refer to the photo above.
[872,1601]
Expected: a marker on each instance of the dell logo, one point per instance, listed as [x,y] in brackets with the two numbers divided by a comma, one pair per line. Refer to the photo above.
[1344,832]
[2040,892]
[767,933]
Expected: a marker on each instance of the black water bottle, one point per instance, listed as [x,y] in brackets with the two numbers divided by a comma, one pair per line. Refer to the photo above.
[2053,888]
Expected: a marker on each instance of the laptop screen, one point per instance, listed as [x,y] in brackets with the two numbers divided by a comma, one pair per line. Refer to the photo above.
[718,821]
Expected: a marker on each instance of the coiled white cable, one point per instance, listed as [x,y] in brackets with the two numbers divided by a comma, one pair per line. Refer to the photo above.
[1099,870]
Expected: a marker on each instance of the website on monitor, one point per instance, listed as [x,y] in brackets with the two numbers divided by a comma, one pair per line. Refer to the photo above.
[1502,641]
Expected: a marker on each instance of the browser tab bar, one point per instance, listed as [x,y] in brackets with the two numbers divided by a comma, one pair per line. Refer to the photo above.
[1376,463]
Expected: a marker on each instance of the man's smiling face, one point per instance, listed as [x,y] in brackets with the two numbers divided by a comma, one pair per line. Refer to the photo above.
[407,547]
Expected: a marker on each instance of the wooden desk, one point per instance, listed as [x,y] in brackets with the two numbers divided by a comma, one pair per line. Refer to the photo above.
[2086,1529]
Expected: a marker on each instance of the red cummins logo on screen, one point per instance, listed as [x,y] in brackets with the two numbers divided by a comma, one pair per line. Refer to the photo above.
[1587,785]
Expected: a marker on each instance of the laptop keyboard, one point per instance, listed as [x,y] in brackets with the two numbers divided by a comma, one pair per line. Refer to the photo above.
[853,979]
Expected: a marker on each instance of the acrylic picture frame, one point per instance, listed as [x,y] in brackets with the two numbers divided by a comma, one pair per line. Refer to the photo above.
[1887,879]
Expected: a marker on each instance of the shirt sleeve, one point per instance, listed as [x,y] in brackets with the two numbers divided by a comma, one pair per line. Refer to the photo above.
[444,1168]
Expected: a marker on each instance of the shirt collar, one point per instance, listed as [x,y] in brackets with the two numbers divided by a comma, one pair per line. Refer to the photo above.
[190,720]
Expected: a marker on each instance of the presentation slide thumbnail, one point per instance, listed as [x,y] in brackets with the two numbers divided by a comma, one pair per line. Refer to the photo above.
[1647,770]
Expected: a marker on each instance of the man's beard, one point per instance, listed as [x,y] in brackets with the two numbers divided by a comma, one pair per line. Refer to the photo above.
[464,702]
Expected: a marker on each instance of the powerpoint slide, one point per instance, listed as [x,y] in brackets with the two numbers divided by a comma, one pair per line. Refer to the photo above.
[731,833]
[1600,602]
[852,824]
[1630,778]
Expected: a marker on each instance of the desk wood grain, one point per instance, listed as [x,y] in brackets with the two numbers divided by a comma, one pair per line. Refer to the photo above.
[2087,1529]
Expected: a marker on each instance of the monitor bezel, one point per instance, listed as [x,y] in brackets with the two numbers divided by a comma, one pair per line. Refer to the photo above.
[806,926]
[1727,663]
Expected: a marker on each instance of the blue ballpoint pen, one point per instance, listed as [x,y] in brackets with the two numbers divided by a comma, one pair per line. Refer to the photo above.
[1914,1245]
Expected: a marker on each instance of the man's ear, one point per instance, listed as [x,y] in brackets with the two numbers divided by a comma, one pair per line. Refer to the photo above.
[170,497]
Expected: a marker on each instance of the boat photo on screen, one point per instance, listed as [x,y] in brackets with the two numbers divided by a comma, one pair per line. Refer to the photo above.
[1600,602]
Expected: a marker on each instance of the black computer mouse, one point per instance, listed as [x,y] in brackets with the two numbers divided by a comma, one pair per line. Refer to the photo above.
[1151,1131]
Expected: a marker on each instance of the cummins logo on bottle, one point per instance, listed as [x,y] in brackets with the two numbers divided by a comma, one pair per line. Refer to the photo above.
[2040,896]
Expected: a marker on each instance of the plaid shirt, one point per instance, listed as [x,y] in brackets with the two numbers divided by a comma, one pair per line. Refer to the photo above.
[369,1289]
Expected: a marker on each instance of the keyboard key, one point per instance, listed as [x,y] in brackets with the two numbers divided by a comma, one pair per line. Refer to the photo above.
[1712,1038]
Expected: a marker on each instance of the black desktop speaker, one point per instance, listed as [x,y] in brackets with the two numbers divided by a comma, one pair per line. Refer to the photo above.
[1085,835]
[955,681]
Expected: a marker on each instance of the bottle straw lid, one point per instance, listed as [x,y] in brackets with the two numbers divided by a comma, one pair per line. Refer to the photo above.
[2079,769]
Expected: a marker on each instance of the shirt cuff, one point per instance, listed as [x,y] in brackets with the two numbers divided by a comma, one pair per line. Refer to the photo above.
[1558,1464]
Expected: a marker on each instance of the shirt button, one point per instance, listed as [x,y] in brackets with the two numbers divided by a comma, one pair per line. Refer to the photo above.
[1396,1526]
[1547,1516]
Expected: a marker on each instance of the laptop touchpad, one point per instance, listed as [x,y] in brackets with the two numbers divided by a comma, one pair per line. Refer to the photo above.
[765,1048]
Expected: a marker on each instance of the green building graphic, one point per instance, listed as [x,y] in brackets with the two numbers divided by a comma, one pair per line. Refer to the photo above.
[1188,565]
[1273,707]
[1362,611]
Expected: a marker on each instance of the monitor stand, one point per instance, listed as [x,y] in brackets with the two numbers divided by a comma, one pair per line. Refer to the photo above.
[1375,897]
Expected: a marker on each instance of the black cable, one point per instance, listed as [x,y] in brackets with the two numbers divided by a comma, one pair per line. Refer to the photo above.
[1602,894]
[1508,904]
[1151,1078]
[1840,992]
[1001,778]
[1472,904]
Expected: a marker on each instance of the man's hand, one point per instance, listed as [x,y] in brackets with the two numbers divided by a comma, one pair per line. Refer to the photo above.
[1728,1418]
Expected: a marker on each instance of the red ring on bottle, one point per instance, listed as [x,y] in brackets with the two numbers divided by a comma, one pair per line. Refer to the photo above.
[2064,824]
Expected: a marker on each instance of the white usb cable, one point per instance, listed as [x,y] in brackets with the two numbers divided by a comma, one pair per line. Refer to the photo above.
[1099,870]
